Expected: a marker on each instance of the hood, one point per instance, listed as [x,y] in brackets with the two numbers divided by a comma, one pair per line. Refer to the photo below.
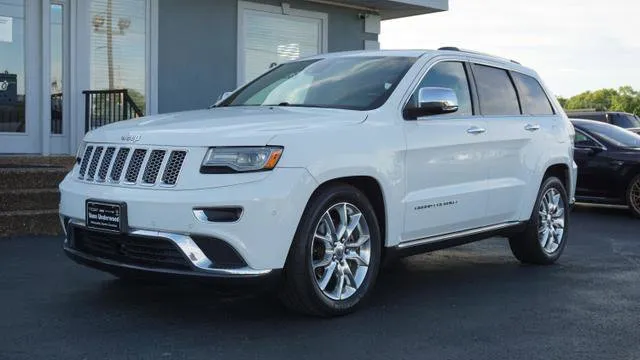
[635,130]
[227,126]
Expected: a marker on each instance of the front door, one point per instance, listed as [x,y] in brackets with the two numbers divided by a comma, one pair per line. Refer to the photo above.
[445,161]
[19,120]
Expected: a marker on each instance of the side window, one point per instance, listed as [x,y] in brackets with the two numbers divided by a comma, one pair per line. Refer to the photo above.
[534,100]
[495,91]
[450,75]
[582,140]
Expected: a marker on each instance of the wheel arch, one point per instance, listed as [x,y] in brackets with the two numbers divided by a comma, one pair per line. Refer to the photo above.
[370,187]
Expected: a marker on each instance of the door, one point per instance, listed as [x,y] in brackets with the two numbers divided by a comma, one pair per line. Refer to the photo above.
[19,118]
[445,162]
[59,66]
[269,35]
[520,122]
[595,171]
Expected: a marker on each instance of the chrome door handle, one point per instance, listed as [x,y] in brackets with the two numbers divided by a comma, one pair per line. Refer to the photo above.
[532,127]
[476,130]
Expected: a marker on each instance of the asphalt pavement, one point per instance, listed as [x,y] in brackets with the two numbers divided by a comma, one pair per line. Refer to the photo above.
[473,302]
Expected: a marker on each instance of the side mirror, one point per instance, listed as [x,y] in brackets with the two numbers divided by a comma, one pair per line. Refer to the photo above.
[434,101]
[589,149]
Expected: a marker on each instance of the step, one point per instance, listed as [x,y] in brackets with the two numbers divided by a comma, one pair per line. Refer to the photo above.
[21,223]
[31,199]
[17,177]
[64,161]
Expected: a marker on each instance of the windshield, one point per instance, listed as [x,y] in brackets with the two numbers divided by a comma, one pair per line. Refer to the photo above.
[613,134]
[357,83]
[626,121]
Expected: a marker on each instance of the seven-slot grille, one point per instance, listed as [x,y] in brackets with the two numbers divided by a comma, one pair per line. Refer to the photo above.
[124,165]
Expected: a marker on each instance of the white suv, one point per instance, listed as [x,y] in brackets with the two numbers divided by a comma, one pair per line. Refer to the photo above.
[322,168]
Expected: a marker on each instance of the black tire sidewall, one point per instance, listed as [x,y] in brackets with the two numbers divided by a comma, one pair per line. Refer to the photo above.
[303,242]
[634,211]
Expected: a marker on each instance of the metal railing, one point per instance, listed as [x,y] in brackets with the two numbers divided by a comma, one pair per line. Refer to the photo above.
[103,107]
[56,113]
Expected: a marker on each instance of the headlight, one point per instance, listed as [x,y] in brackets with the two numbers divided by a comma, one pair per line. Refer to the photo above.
[225,160]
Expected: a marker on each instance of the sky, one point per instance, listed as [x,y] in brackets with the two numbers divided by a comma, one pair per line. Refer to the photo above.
[575,45]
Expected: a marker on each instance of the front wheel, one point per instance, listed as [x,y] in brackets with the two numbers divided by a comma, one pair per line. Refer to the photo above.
[545,236]
[335,256]
[633,196]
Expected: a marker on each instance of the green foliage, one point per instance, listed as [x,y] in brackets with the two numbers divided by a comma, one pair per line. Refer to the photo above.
[624,99]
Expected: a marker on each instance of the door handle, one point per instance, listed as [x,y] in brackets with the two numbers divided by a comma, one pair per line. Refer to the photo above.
[475,130]
[532,127]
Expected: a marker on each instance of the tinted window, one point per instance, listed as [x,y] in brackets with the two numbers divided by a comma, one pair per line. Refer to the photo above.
[495,91]
[358,83]
[450,75]
[624,120]
[583,140]
[613,134]
[533,98]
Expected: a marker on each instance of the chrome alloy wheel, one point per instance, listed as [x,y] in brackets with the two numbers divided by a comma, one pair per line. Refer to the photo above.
[634,196]
[552,220]
[341,251]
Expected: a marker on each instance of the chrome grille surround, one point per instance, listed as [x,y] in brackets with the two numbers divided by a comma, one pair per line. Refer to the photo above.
[118,164]
[172,170]
[135,164]
[113,164]
[85,161]
[106,163]
[97,155]
[152,169]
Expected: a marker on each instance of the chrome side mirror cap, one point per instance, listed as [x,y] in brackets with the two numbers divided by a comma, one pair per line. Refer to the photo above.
[434,101]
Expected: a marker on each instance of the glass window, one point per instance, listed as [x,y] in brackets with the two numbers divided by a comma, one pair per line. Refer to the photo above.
[57,44]
[626,121]
[12,66]
[583,140]
[275,38]
[614,134]
[357,83]
[495,91]
[118,47]
[450,75]
[533,98]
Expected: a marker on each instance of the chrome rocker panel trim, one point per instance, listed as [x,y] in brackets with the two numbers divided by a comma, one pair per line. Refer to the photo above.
[202,265]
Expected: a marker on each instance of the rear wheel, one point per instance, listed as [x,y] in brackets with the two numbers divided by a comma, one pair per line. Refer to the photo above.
[335,256]
[545,236]
[633,196]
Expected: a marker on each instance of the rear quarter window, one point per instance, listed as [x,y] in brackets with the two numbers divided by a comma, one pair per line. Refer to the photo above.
[533,98]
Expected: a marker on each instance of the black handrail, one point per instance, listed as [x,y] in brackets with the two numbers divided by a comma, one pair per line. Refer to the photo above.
[104,107]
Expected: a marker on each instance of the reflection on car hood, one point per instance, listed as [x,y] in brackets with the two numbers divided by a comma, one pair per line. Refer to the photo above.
[231,126]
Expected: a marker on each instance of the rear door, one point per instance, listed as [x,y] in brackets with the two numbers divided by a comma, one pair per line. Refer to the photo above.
[445,161]
[520,120]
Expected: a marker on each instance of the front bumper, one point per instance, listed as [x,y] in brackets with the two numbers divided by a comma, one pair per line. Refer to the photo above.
[196,262]
[272,209]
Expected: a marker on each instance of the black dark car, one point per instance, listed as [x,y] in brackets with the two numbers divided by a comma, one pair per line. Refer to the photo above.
[608,159]
[628,121]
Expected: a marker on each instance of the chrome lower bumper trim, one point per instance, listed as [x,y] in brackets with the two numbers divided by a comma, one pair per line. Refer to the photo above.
[200,262]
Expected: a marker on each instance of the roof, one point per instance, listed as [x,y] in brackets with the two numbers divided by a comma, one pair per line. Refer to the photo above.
[474,55]
[392,9]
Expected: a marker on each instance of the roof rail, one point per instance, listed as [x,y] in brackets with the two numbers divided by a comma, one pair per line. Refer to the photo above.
[453,48]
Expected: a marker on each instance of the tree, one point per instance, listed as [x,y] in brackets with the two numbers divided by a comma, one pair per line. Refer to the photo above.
[625,99]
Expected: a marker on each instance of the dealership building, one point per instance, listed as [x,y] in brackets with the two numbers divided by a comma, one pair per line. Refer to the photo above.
[69,66]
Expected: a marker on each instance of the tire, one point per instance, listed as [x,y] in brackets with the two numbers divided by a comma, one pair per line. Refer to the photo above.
[315,290]
[633,196]
[531,248]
